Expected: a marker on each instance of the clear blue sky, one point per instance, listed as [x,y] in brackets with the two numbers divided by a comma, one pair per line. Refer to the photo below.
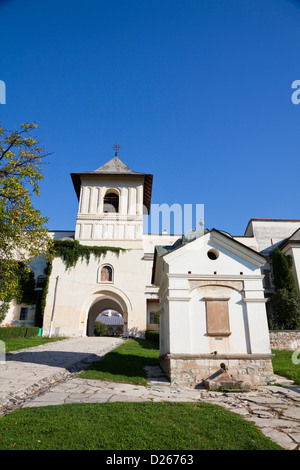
[197,92]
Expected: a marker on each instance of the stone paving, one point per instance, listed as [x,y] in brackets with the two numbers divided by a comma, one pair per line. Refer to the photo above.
[275,410]
[31,370]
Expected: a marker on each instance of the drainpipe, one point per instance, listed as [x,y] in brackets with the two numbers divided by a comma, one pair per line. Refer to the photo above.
[53,308]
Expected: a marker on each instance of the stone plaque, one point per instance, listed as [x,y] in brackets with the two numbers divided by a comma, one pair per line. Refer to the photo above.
[217,317]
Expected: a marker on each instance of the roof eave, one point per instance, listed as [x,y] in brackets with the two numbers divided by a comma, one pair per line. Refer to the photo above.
[148,180]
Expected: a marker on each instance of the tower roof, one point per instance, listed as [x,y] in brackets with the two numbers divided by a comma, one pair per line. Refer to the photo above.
[116,167]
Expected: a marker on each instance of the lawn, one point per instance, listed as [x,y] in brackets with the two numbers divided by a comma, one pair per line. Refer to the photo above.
[125,364]
[283,365]
[13,344]
[130,426]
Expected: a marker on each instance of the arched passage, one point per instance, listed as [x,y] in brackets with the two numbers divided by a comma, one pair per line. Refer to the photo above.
[102,302]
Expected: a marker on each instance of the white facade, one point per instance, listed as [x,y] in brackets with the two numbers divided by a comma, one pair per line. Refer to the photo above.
[77,296]
[183,279]
[212,310]
[187,277]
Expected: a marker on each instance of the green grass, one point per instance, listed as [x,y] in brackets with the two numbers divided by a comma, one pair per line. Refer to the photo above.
[130,426]
[283,365]
[125,364]
[13,344]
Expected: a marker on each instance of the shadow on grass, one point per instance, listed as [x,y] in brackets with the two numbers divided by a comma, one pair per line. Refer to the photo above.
[126,363]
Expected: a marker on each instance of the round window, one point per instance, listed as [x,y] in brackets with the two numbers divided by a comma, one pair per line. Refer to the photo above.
[213,254]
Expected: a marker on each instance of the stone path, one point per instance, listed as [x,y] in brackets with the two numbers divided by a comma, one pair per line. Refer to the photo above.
[31,370]
[275,410]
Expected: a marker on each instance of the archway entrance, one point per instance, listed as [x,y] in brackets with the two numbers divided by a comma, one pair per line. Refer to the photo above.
[111,310]
[113,321]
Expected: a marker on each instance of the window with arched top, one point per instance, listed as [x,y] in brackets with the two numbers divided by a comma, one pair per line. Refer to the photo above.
[111,202]
[106,274]
[41,281]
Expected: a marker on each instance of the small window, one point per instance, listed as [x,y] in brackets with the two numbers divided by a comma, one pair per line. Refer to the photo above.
[23,314]
[213,254]
[41,281]
[154,318]
[111,203]
[106,274]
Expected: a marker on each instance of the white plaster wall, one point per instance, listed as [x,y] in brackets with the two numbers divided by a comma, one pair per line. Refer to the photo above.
[93,224]
[164,329]
[178,274]
[270,232]
[251,242]
[237,342]
[13,315]
[179,326]
[79,284]
[196,261]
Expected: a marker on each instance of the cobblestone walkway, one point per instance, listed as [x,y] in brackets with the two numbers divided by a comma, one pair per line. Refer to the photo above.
[274,410]
[31,370]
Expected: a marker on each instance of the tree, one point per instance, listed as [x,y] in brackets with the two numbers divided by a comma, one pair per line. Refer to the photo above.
[282,266]
[22,228]
[286,310]
[285,301]
[100,329]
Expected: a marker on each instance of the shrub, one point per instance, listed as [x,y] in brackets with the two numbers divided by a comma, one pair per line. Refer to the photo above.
[282,271]
[18,332]
[286,310]
[4,307]
[32,331]
[152,335]
[99,329]
[285,301]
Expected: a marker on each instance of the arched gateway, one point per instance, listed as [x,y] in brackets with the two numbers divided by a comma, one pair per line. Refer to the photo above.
[102,301]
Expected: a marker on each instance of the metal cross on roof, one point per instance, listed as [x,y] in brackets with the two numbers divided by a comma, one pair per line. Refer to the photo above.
[116,148]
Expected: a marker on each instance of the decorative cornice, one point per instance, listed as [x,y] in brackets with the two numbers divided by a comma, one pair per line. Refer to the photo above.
[217,277]
[216,357]
[237,285]
[179,299]
[108,217]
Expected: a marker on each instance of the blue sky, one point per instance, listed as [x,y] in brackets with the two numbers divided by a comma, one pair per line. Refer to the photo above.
[197,92]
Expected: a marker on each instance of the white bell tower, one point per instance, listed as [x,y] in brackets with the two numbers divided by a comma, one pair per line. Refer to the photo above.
[112,201]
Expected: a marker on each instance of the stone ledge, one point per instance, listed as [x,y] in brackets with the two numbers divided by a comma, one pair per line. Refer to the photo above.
[251,357]
[193,370]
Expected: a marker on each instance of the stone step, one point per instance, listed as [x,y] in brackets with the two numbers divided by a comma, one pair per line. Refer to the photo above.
[283,380]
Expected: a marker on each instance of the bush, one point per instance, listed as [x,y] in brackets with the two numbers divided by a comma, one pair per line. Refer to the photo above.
[99,329]
[32,331]
[286,310]
[282,266]
[18,332]
[152,335]
[4,307]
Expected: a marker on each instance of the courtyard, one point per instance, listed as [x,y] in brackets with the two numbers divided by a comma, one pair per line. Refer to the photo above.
[52,380]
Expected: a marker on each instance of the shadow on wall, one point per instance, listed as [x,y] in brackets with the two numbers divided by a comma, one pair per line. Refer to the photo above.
[134,333]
